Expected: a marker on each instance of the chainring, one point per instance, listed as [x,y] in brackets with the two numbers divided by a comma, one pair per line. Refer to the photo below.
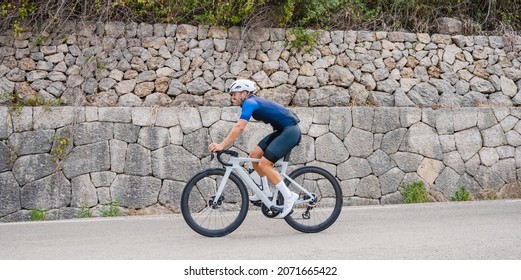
[268,213]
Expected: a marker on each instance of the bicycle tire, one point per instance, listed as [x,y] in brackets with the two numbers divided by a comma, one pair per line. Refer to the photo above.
[318,216]
[197,198]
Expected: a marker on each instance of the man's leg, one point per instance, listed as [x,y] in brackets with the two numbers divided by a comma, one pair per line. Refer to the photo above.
[266,168]
[275,178]
[277,148]
[257,152]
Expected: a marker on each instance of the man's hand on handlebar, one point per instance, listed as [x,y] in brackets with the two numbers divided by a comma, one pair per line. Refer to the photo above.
[224,152]
[215,147]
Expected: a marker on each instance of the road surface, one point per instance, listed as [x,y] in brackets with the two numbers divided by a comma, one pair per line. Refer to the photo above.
[482,230]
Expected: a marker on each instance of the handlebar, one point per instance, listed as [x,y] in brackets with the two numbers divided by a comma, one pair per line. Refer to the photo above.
[228,152]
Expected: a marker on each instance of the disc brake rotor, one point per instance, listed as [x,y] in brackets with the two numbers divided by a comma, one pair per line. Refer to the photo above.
[216,205]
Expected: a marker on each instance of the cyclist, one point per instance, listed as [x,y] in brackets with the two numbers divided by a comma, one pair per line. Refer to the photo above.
[271,148]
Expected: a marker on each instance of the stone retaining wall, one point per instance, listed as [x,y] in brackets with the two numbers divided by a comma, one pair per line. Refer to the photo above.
[65,159]
[117,64]
[158,96]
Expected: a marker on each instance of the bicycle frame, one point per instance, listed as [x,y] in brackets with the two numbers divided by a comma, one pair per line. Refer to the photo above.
[213,211]
[234,164]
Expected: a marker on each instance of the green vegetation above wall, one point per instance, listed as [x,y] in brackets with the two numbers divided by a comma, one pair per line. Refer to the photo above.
[477,16]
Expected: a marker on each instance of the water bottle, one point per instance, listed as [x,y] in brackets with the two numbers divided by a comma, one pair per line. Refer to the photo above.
[256,178]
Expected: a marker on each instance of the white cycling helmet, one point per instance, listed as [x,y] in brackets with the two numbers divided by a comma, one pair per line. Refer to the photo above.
[241,85]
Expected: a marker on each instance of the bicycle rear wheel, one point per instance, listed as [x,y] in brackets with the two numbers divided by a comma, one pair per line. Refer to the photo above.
[324,204]
[204,216]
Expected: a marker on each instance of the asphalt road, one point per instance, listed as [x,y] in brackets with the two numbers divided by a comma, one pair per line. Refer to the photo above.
[486,230]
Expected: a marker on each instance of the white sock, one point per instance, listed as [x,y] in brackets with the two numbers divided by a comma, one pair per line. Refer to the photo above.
[284,190]
[265,185]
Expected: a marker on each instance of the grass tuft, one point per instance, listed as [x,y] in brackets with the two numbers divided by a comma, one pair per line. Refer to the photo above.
[415,192]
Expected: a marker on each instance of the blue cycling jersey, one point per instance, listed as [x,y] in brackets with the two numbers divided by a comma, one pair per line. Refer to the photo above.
[268,112]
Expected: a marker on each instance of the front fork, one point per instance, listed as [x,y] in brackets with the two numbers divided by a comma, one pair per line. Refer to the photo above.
[218,198]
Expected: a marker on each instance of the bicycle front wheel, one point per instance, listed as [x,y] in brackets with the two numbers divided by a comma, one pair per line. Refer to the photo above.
[214,219]
[322,201]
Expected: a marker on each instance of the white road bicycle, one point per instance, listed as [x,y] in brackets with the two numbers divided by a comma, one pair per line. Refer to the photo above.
[215,201]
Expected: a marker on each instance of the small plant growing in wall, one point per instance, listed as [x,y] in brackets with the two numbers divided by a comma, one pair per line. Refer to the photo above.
[16,104]
[415,192]
[461,195]
[84,212]
[112,210]
[100,66]
[488,194]
[39,215]
[40,40]
[62,142]
[11,158]
[304,40]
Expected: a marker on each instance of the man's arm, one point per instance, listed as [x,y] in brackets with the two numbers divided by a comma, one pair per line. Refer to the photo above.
[234,133]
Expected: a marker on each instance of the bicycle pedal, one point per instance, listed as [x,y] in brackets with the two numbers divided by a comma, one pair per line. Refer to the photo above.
[279,217]
[277,209]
